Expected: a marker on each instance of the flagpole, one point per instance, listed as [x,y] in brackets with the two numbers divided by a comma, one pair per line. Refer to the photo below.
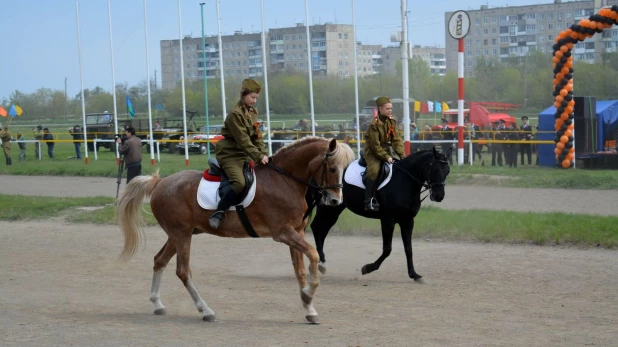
[152,160]
[358,138]
[111,50]
[182,84]
[81,81]
[309,67]
[221,64]
[265,72]
[205,82]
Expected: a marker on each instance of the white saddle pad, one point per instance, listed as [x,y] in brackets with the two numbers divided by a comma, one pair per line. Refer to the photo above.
[354,171]
[208,195]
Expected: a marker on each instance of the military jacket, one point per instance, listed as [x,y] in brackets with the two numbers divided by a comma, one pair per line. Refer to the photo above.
[5,136]
[241,130]
[382,133]
[38,134]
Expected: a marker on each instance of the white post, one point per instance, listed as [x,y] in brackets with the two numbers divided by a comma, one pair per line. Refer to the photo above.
[221,64]
[309,67]
[265,73]
[158,152]
[148,85]
[81,81]
[182,83]
[404,72]
[111,50]
[94,142]
[358,138]
[470,152]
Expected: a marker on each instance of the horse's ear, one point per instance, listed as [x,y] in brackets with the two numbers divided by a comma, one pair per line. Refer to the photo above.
[435,153]
[448,151]
[332,145]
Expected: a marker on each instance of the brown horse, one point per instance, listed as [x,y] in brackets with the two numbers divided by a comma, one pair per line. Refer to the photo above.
[277,211]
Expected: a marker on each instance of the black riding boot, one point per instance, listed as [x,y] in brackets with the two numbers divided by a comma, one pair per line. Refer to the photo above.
[226,201]
[371,204]
[10,161]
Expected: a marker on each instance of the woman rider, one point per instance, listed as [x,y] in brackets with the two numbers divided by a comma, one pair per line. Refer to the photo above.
[380,137]
[242,141]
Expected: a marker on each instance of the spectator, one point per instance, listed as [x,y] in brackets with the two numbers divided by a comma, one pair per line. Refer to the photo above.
[77,136]
[131,148]
[48,138]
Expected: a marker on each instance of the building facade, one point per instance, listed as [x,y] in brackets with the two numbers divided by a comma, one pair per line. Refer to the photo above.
[434,56]
[500,32]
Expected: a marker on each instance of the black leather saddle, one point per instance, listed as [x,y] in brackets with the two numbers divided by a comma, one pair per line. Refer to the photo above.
[382,175]
[224,187]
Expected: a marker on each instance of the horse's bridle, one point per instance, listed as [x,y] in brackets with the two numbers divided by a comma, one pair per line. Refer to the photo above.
[425,183]
[319,187]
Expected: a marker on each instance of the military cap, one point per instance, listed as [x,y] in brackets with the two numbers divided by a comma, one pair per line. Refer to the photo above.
[251,85]
[524,118]
[383,100]
[39,127]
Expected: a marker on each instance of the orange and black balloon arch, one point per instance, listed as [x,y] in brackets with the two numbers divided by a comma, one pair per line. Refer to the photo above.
[563,79]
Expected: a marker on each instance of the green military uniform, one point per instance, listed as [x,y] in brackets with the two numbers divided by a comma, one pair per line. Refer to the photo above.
[243,141]
[381,135]
[5,136]
[38,135]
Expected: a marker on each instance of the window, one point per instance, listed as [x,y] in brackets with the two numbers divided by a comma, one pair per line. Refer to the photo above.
[549,38]
[469,53]
[293,37]
[485,42]
[300,37]
[494,52]
[530,27]
[294,56]
[559,26]
[542,16]
[541,38]
[345,36]
[287,37]
[478,52]
[486,52]
[493,41]
[485,31]
[550,26]
[238,63]
[477,22]
[293,46]
[567,15]
[478,42]
[340,35]
[494,19]
[478,32]
[468,43]
[503,18]
[238,54]
[494,30]
[541,27]
[485,21]
[531,16]
[550,16]
[558,16]
[345,55]
[504,39]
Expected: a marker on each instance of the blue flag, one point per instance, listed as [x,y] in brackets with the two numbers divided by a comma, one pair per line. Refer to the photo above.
[12,111]
[159,107]
[130,108]
[438,106]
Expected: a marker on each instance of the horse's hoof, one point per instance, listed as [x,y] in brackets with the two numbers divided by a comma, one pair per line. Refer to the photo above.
[365,270]
[160,312]
[322,268]
[313,319]
[416,276]
[209,318]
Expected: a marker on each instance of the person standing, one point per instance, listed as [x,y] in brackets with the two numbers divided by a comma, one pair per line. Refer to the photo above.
[5,136]
[22,147]
[447,134]
[381,140]
[77,137]
[131,148]
[38,135]
[242,142]
[497,149]
[526,135]
[48,138]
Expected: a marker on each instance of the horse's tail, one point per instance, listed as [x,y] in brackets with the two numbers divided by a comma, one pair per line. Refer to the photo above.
[128,214]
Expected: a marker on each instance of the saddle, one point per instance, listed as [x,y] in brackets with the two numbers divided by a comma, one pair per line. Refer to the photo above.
[382,175]
[216,173]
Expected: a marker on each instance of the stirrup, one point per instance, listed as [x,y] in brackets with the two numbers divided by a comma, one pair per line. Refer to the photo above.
[372,205]
[215,219]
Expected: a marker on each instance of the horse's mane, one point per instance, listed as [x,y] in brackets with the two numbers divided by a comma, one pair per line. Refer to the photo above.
[342,156]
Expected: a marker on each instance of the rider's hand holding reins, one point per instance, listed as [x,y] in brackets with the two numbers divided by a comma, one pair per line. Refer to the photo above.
[390,160]
[264,160]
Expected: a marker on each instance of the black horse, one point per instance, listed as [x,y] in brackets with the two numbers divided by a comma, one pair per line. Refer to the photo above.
[400,201]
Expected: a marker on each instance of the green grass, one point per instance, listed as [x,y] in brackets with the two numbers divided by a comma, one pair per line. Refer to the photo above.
[19,207]
[431,222]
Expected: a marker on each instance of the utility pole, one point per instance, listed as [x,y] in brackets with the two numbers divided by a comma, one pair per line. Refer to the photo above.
[65,97]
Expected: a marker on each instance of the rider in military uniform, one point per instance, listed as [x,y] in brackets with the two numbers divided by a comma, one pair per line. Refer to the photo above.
[381,139]
[38,135]
[242,141]
[5,136]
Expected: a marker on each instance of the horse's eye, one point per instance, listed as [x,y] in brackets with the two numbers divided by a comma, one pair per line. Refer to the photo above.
[332,170]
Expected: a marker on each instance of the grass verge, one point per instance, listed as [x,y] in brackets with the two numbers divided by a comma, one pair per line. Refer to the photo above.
[431,222]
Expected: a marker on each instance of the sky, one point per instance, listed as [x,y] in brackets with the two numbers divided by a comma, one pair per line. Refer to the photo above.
[40,43]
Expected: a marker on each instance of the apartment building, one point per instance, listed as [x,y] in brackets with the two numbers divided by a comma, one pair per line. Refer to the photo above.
[500,32]
[434,56]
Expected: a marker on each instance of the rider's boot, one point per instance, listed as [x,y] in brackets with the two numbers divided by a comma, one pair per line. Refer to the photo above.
[226,201]
[371,204]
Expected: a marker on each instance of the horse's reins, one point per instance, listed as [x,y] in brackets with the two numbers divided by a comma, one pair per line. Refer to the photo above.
[427,185]
[319,187]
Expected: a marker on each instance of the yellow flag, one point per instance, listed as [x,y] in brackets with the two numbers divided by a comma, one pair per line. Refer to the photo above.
[18,110]
[417,106]
[445,106]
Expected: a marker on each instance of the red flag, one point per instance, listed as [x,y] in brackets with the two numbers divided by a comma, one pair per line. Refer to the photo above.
[2,112]
[424,108]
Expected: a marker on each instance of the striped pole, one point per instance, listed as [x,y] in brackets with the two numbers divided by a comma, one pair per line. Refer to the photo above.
[460,103]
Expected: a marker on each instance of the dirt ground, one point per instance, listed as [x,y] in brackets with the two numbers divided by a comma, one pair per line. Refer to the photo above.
[60,287]
[597,202]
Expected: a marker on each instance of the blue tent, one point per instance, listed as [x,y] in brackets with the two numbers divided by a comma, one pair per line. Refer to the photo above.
[607,123]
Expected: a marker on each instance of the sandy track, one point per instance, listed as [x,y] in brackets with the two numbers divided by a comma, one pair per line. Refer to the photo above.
[59,288]
[599,202]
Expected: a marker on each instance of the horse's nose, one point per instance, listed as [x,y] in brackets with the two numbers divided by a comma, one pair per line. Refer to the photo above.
[334,202]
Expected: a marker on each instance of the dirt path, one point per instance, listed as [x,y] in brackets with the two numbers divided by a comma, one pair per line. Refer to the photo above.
[599,202]
[59,288]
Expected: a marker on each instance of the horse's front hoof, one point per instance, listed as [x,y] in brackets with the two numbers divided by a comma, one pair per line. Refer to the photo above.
[313,319]
[415,276]
[209,318]
[322,268]
[160,312]
[365,270]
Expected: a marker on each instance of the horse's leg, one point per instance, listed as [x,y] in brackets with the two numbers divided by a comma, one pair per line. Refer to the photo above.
[325,218]
[406,236]
[388,225]
[297,243]
[160,262]
[183,271]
